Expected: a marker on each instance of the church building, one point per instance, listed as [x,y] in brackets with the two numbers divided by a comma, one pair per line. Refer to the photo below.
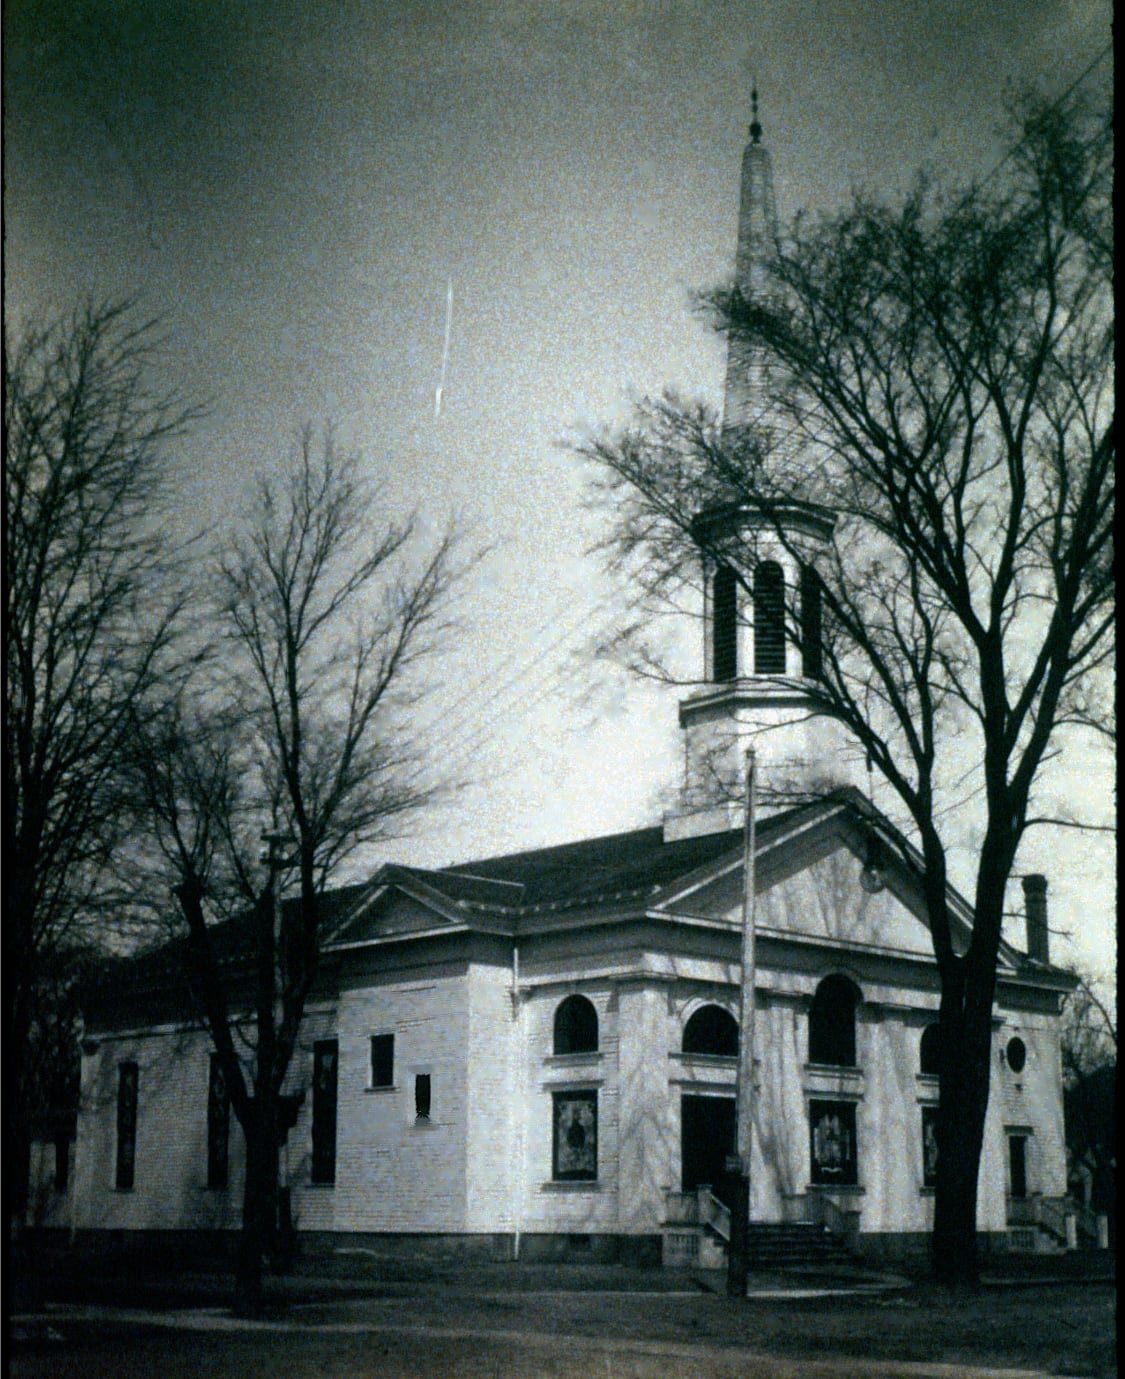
[537,1055]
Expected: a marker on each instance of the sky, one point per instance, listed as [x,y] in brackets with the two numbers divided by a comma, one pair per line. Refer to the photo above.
[293,187]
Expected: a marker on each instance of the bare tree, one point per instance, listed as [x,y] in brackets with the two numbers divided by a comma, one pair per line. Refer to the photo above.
[1089,1059]
[936,384]
[298,734]
[87,625]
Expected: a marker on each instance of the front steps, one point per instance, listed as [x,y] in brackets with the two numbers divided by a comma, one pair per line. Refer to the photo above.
[770,1247]
[794,1245]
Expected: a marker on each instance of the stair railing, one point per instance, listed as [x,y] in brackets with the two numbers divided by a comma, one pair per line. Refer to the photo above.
[1052,1213]
[839,1221]
[681,1208]
[713,1213]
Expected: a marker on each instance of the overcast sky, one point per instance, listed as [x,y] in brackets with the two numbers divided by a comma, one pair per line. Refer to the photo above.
[294,184]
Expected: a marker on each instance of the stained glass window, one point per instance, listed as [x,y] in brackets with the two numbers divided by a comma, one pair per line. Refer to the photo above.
[832,1132]
[575,1156]
[929,1146]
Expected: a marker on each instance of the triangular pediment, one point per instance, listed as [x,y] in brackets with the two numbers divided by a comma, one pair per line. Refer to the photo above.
[394,906]
[810,886]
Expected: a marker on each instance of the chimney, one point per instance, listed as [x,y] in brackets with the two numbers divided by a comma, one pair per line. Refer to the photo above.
[1035,908]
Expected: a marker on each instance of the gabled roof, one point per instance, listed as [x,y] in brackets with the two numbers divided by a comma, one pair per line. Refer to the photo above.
[637,869]
[233,941]
[620,866]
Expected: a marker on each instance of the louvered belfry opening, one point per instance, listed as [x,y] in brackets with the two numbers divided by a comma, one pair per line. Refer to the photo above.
[769,619]
[724,625]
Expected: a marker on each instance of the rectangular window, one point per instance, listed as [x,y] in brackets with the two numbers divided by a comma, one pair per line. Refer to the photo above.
[422,1096]
[929,1146]
[833,1143]
[218,1126]
[575,1141]
[325,1059]
[62,1162]
[127,1079]
[382,1060]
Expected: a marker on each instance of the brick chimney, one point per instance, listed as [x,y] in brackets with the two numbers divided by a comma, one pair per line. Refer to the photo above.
[1035,908]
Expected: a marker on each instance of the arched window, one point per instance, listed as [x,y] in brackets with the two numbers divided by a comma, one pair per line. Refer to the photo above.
[712,1030]
[812,660]
[724,624]
[832,1023]
[929,1050]
[769,619]
[576,1026]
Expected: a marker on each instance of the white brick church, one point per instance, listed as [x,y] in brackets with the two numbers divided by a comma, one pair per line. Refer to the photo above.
[536,1055]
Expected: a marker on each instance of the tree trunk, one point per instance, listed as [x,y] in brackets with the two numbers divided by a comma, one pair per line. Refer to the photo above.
[966,1069]
[960,1138]
[259,1207]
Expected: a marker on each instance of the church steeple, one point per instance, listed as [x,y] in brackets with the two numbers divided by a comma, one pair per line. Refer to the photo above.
[762,652]
[757,233]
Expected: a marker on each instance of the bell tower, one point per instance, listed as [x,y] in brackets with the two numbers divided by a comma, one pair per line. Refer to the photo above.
[762,645]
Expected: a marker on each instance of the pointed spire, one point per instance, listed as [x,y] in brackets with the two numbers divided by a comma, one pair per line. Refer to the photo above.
[755,127]
[757,233]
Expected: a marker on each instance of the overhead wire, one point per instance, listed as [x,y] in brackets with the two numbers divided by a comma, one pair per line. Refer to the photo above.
[463,733]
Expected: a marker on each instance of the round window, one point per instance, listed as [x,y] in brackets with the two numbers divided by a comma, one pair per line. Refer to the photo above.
[1017,1054]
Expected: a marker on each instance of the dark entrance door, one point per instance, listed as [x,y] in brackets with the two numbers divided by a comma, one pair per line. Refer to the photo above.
[707,1130]
[1017,1165]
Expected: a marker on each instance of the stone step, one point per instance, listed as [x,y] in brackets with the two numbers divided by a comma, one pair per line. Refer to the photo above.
[792,1243]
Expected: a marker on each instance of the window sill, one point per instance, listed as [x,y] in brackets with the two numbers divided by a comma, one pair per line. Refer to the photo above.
[710,1060]
[573,1060]
[320,1187]
[848,1189]
[390,1087]
[572,1185]
[822,1079]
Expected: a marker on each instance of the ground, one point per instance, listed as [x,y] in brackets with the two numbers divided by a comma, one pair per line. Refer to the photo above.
[332,1319]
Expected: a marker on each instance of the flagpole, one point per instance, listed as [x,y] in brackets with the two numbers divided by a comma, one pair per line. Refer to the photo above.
[737,1261]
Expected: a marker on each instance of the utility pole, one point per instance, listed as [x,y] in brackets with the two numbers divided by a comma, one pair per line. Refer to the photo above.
[282,1234]
[737,1258]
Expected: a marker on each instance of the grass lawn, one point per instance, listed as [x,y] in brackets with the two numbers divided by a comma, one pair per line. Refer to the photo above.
[519,1322]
